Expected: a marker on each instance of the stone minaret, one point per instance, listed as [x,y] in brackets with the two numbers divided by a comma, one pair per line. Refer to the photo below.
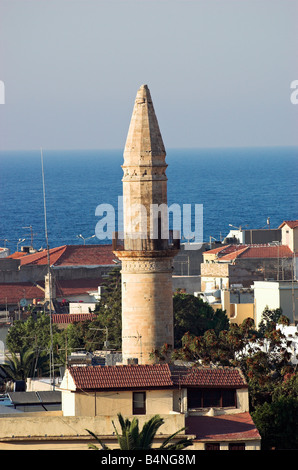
[147,255]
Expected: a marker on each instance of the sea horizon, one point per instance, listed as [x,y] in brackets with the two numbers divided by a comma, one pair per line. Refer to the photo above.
[242,186]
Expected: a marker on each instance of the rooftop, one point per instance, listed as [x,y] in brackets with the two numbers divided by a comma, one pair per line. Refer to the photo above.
[154,376]
[231,252]
[226,427]
[70,255]
[14,292]
[290,223]
[66,318]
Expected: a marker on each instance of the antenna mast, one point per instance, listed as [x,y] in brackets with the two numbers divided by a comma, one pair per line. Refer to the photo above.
[52,377]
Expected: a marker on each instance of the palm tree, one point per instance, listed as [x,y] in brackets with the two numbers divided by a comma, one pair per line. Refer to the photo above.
[134,439]
[19,366]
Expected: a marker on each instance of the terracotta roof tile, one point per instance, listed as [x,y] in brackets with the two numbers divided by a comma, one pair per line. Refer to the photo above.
[255,251]
[17,255]
[66,318]
[156,375]
[290,223]
[77,286]
[226,427]
[41,257]
[121,377]
[281,251]
[209,377]
[217,250]
[14,292]
[234,254]
[71,255]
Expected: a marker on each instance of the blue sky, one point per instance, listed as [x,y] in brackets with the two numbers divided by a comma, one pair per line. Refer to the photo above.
[219,72]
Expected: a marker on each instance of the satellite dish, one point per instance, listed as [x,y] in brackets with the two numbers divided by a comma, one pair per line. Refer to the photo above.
[23,302]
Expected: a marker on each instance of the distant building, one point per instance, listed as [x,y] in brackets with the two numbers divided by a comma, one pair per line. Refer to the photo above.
[234,269]
[4,252]
[77,273]
[241,265]
[62,320]
[289,234]
[276,294]
[253,236]
[17,296]
[67,262]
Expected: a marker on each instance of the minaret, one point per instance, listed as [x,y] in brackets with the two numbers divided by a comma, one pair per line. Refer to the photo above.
[147,255]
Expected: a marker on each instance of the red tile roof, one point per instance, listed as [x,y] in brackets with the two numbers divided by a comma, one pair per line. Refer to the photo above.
[121,377]
[225,249]
[154,376]
[228,427]
[14,292]
[71,255]
[234,254]
[216,250]
[17,254]
[231,252]
[211,377]
[66,318]
[77,286]
[290,223]
[281,251]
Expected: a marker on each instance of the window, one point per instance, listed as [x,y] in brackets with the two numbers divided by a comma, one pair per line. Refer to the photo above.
[211,397]
[237,446]
[139,403]
[194,398]
[228,398]
[212,446]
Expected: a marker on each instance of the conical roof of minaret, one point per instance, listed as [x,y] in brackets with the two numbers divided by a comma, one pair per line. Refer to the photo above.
[144,141]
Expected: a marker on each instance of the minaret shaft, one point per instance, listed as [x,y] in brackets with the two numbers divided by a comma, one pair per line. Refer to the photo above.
[147,295]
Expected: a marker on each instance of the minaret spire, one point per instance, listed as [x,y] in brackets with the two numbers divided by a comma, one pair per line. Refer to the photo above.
[144,140]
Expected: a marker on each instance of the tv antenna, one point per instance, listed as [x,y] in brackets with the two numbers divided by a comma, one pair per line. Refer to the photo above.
[52,376]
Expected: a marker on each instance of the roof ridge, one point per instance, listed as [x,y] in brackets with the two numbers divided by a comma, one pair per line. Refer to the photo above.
[31,257]
[242,251]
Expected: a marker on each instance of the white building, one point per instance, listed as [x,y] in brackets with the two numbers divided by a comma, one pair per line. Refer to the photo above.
[276,294]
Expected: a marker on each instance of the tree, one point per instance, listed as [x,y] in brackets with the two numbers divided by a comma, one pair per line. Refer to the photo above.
[193,315]
[277,423]
[270,318]
[78,336]
[264,361]
[34,335]
[134,439]
[108,312]
[33,331]
[19,366]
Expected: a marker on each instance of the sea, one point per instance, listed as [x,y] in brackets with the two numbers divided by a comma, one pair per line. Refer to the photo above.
[239,187]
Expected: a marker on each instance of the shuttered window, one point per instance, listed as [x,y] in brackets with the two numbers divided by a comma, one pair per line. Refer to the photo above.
[237,446]
[139,403]
[212,446]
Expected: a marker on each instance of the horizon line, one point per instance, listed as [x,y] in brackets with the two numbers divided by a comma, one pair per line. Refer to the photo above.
[69,149]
